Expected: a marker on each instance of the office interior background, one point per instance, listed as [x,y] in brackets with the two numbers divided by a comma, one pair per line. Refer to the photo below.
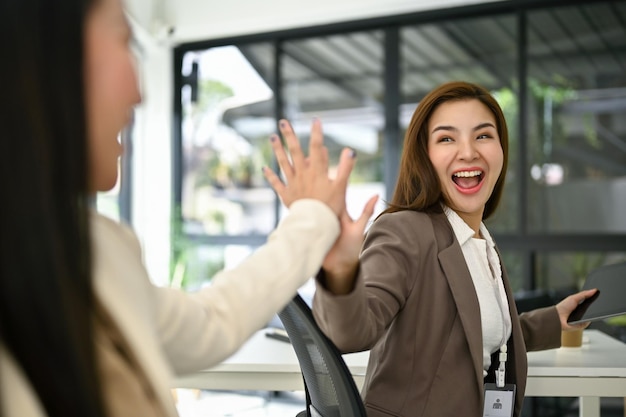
[217,76]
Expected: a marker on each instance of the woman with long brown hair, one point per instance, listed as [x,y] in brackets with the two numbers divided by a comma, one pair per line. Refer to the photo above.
[429,295]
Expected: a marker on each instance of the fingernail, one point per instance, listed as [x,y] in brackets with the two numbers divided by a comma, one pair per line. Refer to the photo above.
[353,153]
[282,124]
[273,138]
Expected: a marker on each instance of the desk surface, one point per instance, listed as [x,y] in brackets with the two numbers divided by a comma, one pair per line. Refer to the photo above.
[597,369]
[268,364]
[599,356]
[262,353]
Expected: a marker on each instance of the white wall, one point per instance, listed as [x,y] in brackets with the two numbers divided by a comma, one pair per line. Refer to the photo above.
[192,20]
[202,19]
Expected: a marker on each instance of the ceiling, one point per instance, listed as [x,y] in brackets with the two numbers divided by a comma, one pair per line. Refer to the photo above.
[579,50]
[179,21]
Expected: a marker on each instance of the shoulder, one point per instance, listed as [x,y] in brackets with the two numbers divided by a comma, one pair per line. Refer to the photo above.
[404,216]
[413,228]
[110,233]
[408,221]
[100,222]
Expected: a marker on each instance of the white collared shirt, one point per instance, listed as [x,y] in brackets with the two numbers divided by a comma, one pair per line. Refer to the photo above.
[484,267]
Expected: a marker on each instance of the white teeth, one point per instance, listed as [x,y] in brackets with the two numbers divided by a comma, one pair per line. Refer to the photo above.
[468,174]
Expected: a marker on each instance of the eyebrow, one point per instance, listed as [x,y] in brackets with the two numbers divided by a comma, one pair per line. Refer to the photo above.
[454,129]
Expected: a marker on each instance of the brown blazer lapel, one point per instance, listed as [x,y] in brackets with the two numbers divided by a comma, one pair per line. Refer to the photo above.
[461,285]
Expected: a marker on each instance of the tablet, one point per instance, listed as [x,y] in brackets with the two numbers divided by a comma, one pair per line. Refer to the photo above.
[609,301]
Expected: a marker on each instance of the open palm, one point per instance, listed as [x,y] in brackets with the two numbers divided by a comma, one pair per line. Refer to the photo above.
[341,262]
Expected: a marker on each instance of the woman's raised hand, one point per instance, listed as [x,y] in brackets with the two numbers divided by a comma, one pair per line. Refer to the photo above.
[342,261]
[307,176]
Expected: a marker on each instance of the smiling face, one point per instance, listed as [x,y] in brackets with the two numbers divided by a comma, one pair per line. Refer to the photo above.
[111,88]
[465,150]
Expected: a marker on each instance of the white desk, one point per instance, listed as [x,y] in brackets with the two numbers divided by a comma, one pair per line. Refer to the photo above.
[597,369]
[263,364]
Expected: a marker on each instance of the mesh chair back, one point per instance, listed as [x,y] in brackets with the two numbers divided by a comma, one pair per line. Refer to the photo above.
[331,391]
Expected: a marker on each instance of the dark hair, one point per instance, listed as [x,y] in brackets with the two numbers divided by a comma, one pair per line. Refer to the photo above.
[418,187]
[46,294]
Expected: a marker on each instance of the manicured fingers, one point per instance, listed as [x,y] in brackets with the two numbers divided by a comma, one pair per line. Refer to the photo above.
[368,210]
[293,144]
[318,153]
[325,157]
[281,157]
[320,163]
[274,180]
[306,176]
[366,214]
[346,164]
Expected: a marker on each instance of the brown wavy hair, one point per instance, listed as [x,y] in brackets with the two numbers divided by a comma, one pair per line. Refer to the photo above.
[418,187]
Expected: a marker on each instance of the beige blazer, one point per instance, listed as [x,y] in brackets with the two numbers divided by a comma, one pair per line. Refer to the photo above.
[414,305]
[173,332]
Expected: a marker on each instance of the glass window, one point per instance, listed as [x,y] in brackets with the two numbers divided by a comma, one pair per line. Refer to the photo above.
[512,262]
[228,115]
[195,265]
[573,178]
[569,269]
[339,80]
[577,129]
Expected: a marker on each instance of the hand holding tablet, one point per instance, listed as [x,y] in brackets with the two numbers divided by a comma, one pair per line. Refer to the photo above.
[609,300]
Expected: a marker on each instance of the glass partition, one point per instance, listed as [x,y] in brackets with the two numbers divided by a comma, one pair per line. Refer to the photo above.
[197,264]
[577,130]
[338,79]
[565,196]
[227,119]
[480,50]
[565,272]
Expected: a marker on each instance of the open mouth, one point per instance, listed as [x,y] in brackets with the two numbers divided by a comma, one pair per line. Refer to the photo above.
[468,179]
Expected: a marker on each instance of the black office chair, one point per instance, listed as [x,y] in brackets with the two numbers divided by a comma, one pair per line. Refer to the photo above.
[329,386]
[529,300]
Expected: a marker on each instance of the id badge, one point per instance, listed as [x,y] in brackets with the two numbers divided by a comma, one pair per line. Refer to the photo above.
[499,402]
